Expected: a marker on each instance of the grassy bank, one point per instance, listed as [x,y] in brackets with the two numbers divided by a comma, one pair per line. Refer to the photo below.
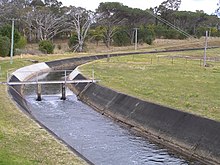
[22,141]
[177,80]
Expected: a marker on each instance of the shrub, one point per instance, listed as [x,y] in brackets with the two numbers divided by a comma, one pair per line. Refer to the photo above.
[73,41]
[4,46]
[21,43]
[149,40]
[147,34]
[46,46]
[168,33]
[59,47]
[121,38]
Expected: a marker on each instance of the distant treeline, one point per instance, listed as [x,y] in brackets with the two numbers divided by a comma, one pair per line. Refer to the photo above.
[112,23]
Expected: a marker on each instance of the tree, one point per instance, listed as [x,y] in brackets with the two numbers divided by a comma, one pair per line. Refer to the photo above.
[6,31]
[97,34]
[171,5]
[37,3]
[166,8]
[45,23]
[147,34]
[217,11]
[110,17]
[54,5]
[80,20]
[121,37]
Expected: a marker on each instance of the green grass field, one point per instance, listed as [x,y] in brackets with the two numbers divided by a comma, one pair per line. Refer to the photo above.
[22,141]
[181,83]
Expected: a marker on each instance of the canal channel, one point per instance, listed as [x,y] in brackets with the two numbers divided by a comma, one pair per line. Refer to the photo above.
[100,139]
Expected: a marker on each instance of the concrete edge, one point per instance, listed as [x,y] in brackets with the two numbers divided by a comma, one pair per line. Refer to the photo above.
[28,71]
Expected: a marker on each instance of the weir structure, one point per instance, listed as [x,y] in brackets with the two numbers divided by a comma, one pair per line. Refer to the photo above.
[39,84]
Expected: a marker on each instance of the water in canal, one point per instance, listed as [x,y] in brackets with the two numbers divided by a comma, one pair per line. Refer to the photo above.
[98,138]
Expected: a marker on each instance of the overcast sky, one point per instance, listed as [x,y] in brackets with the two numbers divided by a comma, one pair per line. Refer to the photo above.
[209,6]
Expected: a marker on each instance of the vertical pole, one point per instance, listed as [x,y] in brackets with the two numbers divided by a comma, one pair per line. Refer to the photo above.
[63,97]
[0,71]
[39,92]
[136,37]
[12,41]
[93,73]
[65,76]
[206,44]
[37,77]
[63,92]
[210,30]
[7,76]
[108,57]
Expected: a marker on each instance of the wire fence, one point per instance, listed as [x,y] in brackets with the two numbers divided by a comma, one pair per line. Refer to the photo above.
[166,60]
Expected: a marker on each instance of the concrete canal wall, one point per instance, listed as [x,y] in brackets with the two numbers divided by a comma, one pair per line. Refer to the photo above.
[195,136]
[23,74]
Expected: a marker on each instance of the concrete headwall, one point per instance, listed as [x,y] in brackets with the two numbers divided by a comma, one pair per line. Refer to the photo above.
[26,72]
[23,74]
[195,136]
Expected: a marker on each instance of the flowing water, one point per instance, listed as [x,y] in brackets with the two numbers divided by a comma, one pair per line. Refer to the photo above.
[100,139]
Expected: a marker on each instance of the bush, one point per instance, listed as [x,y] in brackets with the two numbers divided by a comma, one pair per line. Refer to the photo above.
[149,40]
[147,34]
[168,33]
[73,41]
[46,47]
[21,43]
[4,46]
[121,38]
[59,47]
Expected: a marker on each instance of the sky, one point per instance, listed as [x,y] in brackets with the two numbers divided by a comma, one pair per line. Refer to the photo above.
[208,6]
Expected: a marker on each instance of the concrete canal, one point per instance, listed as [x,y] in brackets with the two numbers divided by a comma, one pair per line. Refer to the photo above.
[100,139]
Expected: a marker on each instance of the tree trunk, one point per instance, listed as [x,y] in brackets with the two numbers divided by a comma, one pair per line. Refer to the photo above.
[30,35]
[80,46]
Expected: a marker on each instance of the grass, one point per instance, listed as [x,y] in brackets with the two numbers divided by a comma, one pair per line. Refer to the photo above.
[180,83]
[22,141]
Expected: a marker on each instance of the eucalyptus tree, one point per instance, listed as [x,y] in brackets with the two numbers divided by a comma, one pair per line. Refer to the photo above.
[44,23]
[166,8]
[217,11]
[54,5]
[136,18]
[44,20]
[80,21]
[110,17]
